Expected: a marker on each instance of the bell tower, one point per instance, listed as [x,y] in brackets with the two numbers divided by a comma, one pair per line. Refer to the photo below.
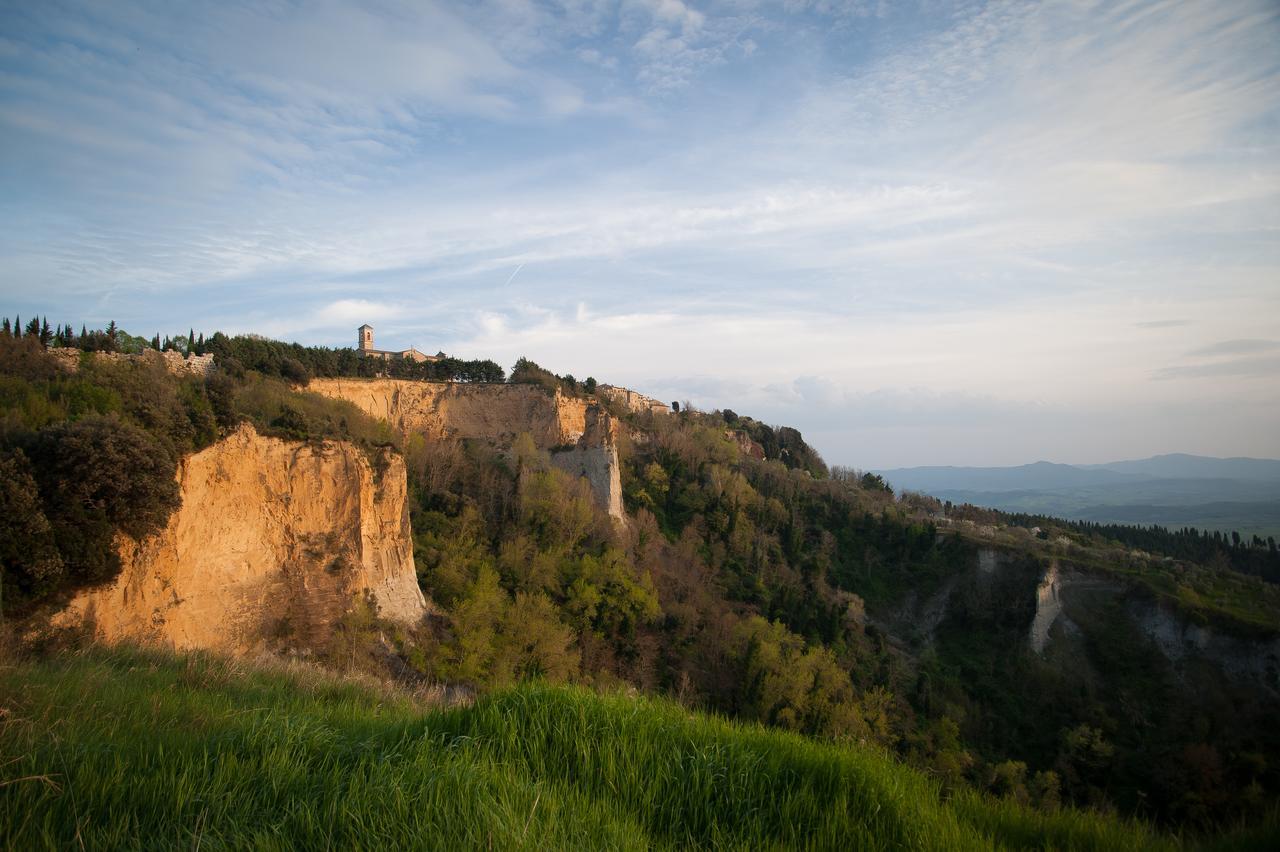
[365,333]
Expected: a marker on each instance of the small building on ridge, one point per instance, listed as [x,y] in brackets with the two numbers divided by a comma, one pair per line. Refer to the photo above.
[365,348]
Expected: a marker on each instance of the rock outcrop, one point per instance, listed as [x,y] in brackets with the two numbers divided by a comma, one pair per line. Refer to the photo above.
[1048,608]
[175,362]
[273,542]
[578,432]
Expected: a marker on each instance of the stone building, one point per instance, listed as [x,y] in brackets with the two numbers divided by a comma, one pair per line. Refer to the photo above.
[365,348]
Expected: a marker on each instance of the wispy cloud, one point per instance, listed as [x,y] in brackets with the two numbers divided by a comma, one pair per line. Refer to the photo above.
[1257,367]
[1237,347]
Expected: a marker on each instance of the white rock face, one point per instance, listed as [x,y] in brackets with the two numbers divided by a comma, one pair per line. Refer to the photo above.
[1048,608]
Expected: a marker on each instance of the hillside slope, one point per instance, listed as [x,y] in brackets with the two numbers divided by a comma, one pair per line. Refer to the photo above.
[196,752]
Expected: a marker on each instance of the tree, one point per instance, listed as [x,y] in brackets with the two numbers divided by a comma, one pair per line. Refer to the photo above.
[111,337]
[98,475]
[46,335]
[875,482]
[29,558]
[589,385]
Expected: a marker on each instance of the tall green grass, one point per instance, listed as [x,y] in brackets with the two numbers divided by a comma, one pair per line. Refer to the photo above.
[127,749]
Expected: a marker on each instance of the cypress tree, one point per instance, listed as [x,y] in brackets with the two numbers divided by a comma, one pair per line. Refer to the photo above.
[46,334]
[33,327]
[5,329]
[17,325]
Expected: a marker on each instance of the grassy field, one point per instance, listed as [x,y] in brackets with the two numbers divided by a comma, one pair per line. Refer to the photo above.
[111,749]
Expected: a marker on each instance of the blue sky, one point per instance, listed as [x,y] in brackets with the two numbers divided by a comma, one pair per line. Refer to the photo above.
[921,232]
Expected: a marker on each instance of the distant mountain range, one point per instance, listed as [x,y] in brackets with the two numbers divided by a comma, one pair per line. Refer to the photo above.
[1171,490]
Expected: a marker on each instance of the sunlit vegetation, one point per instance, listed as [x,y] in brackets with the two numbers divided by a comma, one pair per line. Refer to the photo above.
[197,752]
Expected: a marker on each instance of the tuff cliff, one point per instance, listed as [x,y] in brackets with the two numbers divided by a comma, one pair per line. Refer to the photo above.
[274,540]
[449,409]
[578,432]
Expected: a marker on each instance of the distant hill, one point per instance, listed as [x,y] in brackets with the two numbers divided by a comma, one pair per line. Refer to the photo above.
[1183,466]
[1173,490]
[1037,476]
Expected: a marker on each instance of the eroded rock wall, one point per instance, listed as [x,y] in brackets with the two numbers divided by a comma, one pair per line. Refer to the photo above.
[274,540]
[1184,642]
[579,433]
[449,409]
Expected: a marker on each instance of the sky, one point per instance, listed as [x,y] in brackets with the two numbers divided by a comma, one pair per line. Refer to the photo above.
[920,232]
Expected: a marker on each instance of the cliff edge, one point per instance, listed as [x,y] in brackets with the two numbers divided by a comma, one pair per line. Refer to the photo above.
[579,433]
[274,540]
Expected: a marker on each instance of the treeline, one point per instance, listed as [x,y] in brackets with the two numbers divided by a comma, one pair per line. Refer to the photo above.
[1255,556]
[290,361]
[526,372]
[300,364]
[110,339]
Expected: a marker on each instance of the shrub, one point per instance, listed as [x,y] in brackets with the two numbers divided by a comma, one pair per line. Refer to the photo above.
[96,476]
[29,558]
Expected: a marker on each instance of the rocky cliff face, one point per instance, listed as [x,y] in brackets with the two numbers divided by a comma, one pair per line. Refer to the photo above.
[274,539]
[579,433]
[448,409]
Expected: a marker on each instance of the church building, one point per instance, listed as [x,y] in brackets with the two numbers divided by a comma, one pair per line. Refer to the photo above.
[365,348]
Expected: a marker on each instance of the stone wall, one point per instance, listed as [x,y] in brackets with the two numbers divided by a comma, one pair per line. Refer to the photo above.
[633,401]
[175,362]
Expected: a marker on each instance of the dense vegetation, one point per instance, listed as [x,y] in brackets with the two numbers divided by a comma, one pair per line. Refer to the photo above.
[751,580]
[765,592]
[82,456]
[526,372]
[195,752]
[1256,556]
